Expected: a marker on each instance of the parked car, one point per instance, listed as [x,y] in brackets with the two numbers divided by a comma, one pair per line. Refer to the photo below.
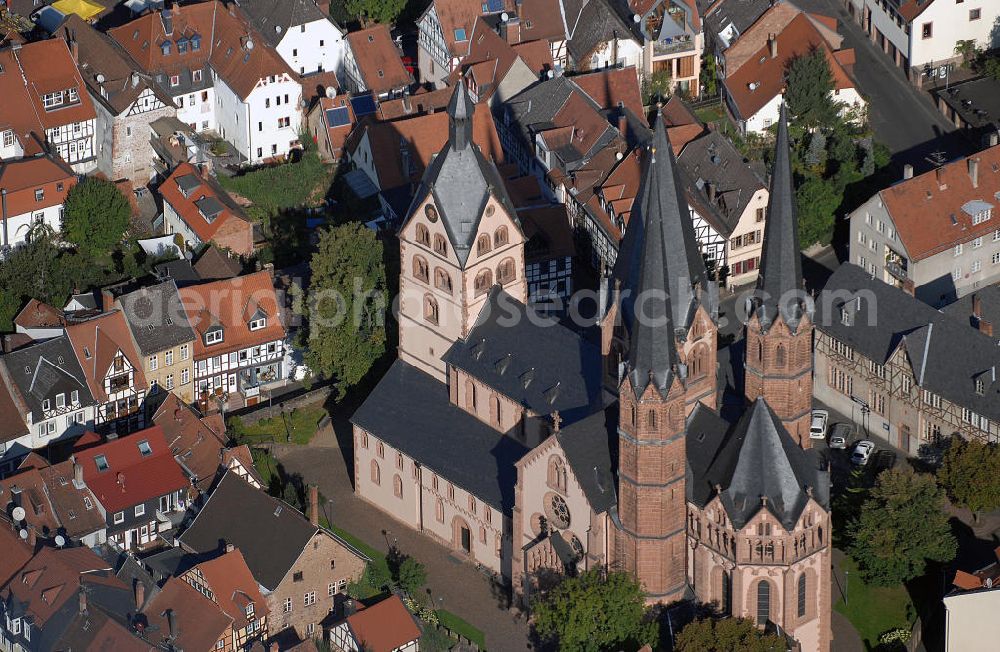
[862,452]
[817,427]
[840,435]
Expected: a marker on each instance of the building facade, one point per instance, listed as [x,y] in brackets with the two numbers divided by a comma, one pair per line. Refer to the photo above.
[32,193]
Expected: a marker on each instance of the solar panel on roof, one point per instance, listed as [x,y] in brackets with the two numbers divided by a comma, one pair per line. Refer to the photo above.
[363,105]
[337,117]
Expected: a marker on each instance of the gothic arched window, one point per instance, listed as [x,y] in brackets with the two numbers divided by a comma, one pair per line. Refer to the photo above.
[505,271]
[763,602]
[442,280]
[779,356]
[423,235]
[431,309]
[420,269]
[440,245]
[484,280]
[483,245]
[500,237]
[802,595]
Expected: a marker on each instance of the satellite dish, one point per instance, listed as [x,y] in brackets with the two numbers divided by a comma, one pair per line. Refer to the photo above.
[277,29]
[60,540]
[618,156]
[18,513]
[23,533]
[331,92]
[550,74]
[249,44]
[505,16]
[636,18]
[988,582]
[100,78]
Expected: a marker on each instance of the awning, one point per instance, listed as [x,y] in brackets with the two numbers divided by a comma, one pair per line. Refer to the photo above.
[85,9]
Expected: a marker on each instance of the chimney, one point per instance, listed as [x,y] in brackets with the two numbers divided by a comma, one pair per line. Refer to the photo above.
[939,173]
[83,598]
[772,42]
[908,287]
[710,187]
[230,547]
[977,306]
[622,124]
[107,300]
[140,594]
[77,474]
[349,607]
[171,625]
[32,537]
[986,327]
[974,171]
[314,505]
[907,172]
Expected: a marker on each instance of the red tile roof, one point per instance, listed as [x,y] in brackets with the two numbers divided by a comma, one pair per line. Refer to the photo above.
[609,87]
[229,229]
[96,342]
[199,623]
[36,314]
[53,576]
[335,136]
[798,38]
[378,59]
[927,210]
[51,501]
[16,554]
[47,66]
[132,478]
[233,585]
[384,626]
[224,33]
[423,101]
[23,177]
[193,442]
[225,302]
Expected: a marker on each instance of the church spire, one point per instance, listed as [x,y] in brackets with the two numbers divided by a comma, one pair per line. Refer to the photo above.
[460,110]
[780,275]
[659,267]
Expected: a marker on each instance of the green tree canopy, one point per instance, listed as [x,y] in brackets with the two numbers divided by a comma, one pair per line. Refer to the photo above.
[347,304]
[595,611]
[970,473]
[727,635]
[817,201]
[902,525]
[375,11]
[96,216]
[412,576]
[809,87]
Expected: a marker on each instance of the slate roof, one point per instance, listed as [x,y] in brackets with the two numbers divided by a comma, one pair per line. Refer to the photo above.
[780,274]
[410,411]
[273,18]
[156,317]
[12,427]
[41,371]
[545,368]
[947,354]
[989,300]
[756,458]
[270,533]
[740,14]
[712,159]
[461,180]
[588,445]
[590,23]
[659,256]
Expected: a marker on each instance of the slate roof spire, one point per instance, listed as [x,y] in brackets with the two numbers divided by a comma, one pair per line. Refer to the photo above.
[460,111]
[659,267]
[780,275]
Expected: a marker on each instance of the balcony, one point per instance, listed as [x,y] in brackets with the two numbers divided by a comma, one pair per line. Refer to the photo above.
[672,46]
[896,266]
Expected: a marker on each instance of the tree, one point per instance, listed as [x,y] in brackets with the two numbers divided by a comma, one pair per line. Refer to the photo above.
[817,200]
[595,611]
[727,635]
[968,50]
[816,154]
[656,87]
[375,11]
[902,525]
[970,473]
[809,88]
[412,576]
[347,305]
[96,217]
[709,75]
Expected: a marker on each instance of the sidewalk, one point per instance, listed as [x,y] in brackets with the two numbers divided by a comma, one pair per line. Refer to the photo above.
[455,585]
[845,637]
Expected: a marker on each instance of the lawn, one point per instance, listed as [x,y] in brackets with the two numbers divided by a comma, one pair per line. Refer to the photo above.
[712,113]
[300,423]
[284,187]
[459,626]
[265,464]
[873,610]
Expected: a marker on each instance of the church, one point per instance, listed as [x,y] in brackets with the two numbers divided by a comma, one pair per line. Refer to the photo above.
[536,450]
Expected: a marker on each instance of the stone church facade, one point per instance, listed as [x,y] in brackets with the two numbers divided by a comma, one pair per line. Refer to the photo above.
[537,451]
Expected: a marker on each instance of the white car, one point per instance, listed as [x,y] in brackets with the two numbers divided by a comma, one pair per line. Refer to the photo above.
[862,452]
[840,434]
[817,427]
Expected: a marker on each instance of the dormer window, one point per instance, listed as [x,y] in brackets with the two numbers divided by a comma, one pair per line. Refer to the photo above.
[74,95]
[845,315]
[46,405]
[165,48]
[460,34]
[60,401]
[195,43]
[52,100]
[213,336]
[250,610]
[39,194]
[980,387]
[182,46]
[257,324]
[74,397]
[102,463]
[144,448]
